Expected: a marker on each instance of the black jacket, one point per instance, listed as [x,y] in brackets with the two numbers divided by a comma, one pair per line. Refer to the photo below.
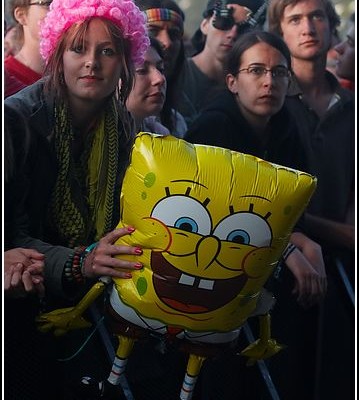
[222,124]
[27,202]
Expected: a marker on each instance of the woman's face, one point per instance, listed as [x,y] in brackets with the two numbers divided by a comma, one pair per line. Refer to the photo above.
[260,95]
[92,71]
[148,94]
[345,64]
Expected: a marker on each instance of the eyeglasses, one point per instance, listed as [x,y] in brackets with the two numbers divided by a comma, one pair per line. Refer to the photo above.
[258,72]
[41,3]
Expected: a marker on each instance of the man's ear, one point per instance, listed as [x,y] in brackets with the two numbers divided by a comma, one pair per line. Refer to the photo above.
[20,15]
[205,25]
[231,82]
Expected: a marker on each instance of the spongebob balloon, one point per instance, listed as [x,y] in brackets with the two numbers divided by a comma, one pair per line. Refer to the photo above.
[212,224]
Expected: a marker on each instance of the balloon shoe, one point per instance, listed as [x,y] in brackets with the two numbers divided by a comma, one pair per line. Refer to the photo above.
[91,389]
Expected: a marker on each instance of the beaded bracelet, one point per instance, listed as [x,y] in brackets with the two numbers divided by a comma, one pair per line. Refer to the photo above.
[72,270]
[68,268]
[76,264]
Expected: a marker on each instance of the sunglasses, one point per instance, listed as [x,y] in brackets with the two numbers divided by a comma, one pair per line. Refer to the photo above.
[224,21]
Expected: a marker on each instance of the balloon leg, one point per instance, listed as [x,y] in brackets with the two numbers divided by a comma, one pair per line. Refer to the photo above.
[193,368]
[119,364]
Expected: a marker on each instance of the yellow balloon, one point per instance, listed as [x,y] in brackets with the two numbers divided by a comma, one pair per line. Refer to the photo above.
[212,224]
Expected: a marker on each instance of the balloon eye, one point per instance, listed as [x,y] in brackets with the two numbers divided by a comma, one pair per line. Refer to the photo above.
[239,236]
[244,228]
[186,224]
[185,213]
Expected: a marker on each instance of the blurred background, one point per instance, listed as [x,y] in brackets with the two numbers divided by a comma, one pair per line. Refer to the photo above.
[193,10]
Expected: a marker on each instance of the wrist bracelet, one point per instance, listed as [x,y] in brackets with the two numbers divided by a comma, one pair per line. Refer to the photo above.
[84,255]
[288,251]
[68,268]
[72,269]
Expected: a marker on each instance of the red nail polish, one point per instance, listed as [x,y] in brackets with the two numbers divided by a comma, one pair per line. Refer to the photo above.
[138,250]
[138,265]
[130,229]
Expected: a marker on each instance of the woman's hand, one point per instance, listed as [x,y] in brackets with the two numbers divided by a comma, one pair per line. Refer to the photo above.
[101,261]
[307,265]
[23,272]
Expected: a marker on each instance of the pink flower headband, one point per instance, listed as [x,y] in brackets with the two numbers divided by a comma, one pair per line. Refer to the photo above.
[124,13]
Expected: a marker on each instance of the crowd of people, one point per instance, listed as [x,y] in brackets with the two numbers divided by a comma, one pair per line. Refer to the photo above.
[81,79]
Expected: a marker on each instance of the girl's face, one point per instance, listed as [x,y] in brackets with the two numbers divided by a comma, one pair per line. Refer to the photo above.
[345,67]
[148,94]
[259,94]
[92,71]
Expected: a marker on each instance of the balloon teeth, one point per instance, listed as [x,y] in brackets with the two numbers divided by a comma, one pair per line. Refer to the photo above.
[186,280]
[206,284]
[190,281]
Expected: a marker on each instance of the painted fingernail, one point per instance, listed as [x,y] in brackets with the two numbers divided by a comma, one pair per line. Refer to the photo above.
[128,275]
[138,250]
[138,265]
[130,229]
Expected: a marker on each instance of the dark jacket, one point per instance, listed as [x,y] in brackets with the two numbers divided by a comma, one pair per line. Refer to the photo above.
[222,124]
[31,219]
[329,142]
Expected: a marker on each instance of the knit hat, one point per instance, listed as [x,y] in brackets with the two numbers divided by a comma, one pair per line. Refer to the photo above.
[123,13]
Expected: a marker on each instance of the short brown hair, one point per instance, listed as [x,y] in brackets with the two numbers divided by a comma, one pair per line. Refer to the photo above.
[276,10]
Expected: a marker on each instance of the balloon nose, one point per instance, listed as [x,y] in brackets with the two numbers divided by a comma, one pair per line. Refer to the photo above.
[207,250]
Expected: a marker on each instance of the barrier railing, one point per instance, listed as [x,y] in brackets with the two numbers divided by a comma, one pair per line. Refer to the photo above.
[264,372]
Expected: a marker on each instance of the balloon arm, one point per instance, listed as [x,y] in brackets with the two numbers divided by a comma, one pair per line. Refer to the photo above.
[65,319]
[265,346]
[264,304]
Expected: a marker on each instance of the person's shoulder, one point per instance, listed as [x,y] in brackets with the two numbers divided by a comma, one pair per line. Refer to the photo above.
[11,84]
[9,62]
[180,124]
[343,94]
[210,126]
[221,101]
[191,69]
[28,98]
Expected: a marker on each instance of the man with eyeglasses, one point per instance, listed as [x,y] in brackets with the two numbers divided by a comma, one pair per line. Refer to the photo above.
[223,22]
[27,66]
